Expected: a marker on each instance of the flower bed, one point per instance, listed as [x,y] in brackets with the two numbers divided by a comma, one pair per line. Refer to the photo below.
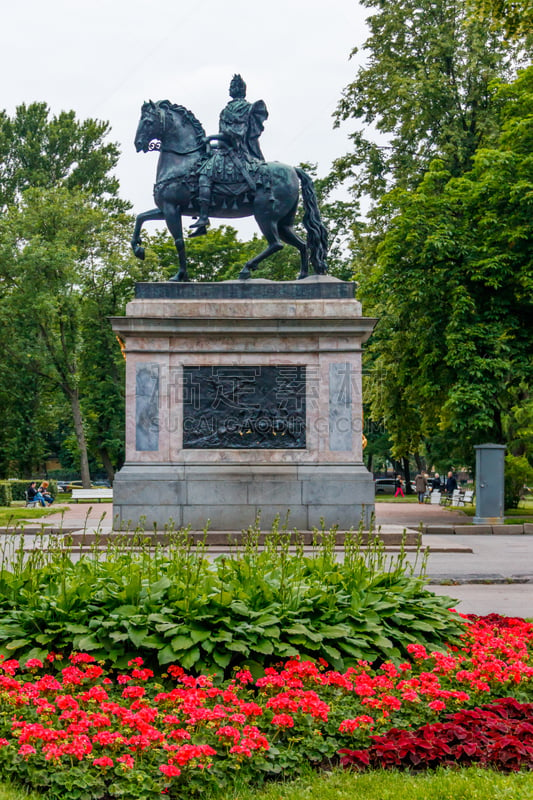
[78,731]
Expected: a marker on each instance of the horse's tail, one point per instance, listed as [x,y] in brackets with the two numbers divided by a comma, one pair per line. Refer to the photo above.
[317,235]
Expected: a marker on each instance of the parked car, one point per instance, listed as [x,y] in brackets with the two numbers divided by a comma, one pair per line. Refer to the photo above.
[385,485]
[105,484]
[76,485]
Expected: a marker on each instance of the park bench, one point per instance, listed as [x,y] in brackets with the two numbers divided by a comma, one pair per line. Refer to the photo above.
[92,494]
[31,503]
[456,498]
[468,497]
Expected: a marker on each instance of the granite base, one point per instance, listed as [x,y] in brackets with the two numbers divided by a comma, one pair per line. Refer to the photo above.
[232,497]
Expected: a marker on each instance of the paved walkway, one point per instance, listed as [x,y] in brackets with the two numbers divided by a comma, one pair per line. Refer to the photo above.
[83,514]
[408,515]
[411,515]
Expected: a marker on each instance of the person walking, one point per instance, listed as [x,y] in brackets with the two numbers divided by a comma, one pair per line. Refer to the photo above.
[399,487]
[421,486]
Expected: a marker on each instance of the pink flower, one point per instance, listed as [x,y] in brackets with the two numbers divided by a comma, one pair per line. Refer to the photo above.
[351,725]
[26,750]
[437,705]
[103,762]
[283,721]
[170,770]
[34,663]
[134,691]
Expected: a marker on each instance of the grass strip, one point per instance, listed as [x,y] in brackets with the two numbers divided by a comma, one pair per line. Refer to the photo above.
[443,784]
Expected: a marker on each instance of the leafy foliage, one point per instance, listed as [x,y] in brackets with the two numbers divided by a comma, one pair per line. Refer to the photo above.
[254,606]
[499,735]
[453,288]
[40,150]
[515,17]
[426,87]
[518,475]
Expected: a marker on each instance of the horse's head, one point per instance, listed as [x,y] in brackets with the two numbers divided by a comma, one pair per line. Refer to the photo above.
[165,120]
[150,125]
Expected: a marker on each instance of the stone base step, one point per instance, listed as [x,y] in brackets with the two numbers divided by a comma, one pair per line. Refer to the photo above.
[81,538]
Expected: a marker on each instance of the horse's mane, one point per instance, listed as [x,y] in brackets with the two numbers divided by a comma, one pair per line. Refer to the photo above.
[189,116]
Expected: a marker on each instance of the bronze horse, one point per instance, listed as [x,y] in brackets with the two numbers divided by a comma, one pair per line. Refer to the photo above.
[183,148]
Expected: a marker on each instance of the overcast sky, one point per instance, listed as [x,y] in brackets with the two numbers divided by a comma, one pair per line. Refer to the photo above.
[105,57]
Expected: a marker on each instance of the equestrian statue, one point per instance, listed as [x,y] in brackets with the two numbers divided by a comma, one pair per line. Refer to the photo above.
[226,176]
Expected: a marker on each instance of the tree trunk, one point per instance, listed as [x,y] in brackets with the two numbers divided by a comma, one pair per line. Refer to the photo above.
[407,474]
[108,466]
[80,437]
[420,465]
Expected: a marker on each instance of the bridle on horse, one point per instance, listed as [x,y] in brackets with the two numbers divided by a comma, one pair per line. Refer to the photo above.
[156,145]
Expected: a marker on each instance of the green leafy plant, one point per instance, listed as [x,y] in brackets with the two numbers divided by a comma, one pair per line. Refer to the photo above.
[5,494]
[518,474]
[254,605]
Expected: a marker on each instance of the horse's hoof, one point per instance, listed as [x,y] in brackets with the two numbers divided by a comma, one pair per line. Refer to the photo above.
[244,274]
[139,252]
[303,275]
[179,278]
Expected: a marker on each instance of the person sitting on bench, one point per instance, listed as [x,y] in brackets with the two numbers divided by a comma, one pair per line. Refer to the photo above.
[45,494]
[34,495]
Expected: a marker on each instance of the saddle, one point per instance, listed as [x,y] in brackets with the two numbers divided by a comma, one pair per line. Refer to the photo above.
[232,176]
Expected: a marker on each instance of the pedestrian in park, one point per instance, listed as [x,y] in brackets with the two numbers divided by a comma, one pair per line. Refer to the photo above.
[451,484]
[435,483]
[399,487]
[421,486]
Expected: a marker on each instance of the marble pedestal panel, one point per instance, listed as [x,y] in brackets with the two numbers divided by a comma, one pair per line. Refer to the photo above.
[243,399]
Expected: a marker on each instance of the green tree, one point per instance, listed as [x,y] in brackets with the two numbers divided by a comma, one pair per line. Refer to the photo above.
[55,245]
[514,16]
[453,286]
[425,90]
[41,150]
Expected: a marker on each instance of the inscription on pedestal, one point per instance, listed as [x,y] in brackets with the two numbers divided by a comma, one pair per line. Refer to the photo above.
[243,407]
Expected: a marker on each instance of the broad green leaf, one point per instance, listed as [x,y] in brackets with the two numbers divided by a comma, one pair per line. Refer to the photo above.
[87,643]
[263,646]
[181,643]
[238,647]
[190,658]
[222,659]
[298,628]
[73,628]
[198,635]
[16,644]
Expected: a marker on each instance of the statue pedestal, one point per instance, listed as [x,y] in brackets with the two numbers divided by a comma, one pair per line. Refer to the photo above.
[243,398]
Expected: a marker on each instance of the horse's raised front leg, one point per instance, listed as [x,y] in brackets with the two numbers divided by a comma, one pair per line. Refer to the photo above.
[153,214]
[174,224]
